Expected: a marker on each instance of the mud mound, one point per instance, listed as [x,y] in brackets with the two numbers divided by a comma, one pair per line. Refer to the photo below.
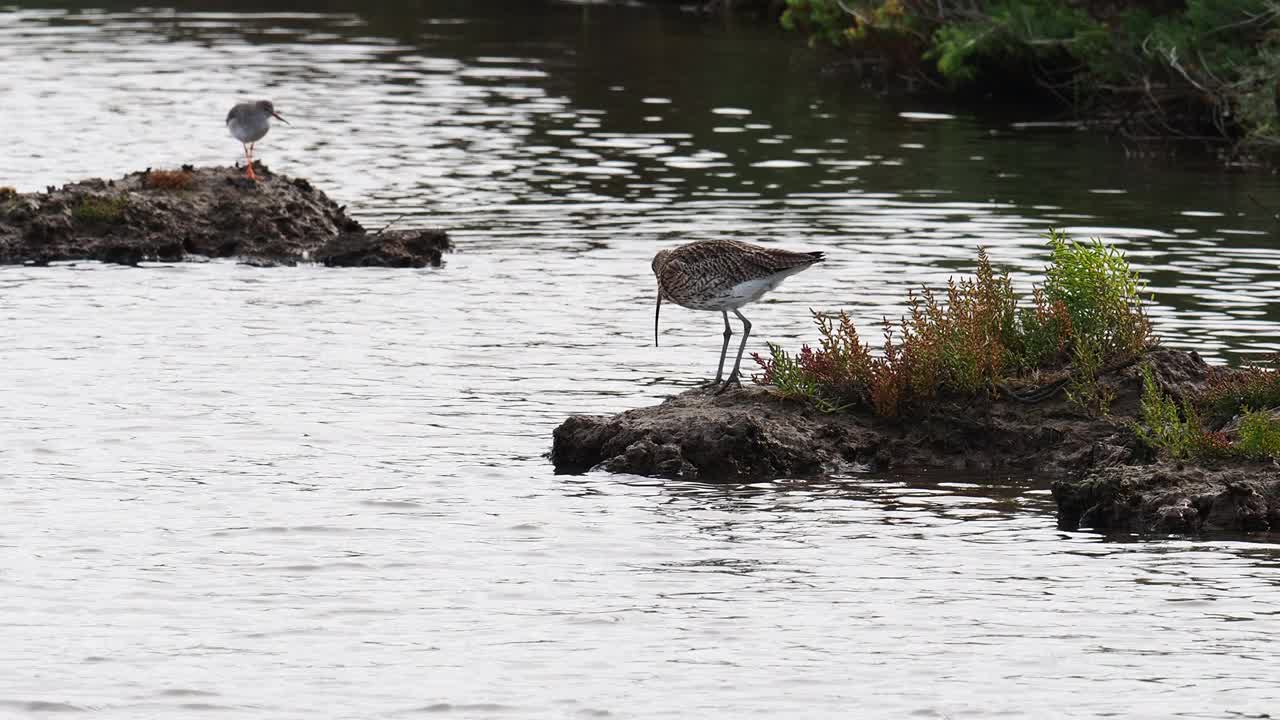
[1172,498]
[208,212]
[742,435]
[749,434]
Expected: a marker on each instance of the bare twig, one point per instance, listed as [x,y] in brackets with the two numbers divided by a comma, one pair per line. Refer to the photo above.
[1274,215]
[1259,19]
[849,10]
[1171,56]
[394,220]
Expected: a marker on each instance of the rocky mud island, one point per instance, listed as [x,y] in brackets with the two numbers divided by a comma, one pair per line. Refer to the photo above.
[1069,384]
[174,215]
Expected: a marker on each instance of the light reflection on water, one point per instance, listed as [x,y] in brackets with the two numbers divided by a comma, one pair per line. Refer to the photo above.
[300,492]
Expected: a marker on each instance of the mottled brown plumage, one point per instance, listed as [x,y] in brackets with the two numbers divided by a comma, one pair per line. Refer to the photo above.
[723,275]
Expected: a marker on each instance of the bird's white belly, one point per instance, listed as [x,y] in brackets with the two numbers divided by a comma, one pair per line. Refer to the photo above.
[247,132]
[745,292]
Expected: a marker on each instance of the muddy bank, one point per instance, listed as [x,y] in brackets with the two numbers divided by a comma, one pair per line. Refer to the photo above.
[1106,478]
[214,212]
[1172,498]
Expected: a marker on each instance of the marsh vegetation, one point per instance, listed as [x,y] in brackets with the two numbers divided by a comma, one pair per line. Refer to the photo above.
[976,334]
[1202,70]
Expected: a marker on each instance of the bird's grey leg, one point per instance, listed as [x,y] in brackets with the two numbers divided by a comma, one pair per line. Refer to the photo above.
[746,332]
[724,349]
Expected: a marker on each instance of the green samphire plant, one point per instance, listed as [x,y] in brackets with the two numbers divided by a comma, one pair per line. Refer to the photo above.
[99,209]
[1179,430]
[966,340]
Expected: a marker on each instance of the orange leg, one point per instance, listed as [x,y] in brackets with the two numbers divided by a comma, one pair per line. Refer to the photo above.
[248,157]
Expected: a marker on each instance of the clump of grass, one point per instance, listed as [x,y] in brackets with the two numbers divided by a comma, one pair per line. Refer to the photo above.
[793,376]
[1254,386]
[956,346]
[1092,303]
[172,180]
[1100,293]
[966,342]
[100,210]
[1084,388]
[838,375]
[1046,331]
[1258,436]
[1165,428]
[1179,431]
[7,192]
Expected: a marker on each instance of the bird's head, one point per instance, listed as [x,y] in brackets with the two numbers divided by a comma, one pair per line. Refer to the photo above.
[266,107]
[660,261]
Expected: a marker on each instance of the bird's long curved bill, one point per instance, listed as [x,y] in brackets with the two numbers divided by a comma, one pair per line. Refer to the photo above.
[277,116]
[656,310]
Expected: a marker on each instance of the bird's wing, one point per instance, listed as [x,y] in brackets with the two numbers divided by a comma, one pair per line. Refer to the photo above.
[714,267]
[766,261]
[232,113]
[695,273]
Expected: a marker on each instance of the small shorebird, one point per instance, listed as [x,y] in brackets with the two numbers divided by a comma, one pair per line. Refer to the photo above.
[248,123]
[723,275]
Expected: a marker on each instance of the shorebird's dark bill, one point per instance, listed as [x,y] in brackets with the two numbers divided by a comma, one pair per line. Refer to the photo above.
[656,310]
[277,116]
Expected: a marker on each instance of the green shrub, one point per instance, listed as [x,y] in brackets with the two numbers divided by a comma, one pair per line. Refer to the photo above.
[1161,427]
[1046,330]
[1010,33]
[1199,67]
[99,210]
[790,378]
[1229,392]
[1089,311]
[1101,295]
[1178,431]
[822,19]
[1258,435]
[1102,299]
[1084,388]
[840,374]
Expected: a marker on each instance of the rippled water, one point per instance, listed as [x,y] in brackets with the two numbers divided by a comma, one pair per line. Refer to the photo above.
[299,492]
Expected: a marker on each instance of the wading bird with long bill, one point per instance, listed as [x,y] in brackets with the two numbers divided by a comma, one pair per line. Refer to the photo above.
[723,275]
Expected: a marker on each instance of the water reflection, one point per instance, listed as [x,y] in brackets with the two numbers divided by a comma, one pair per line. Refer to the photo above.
[551,127]
[301,492]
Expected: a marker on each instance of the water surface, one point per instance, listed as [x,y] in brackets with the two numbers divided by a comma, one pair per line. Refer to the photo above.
[299,492]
